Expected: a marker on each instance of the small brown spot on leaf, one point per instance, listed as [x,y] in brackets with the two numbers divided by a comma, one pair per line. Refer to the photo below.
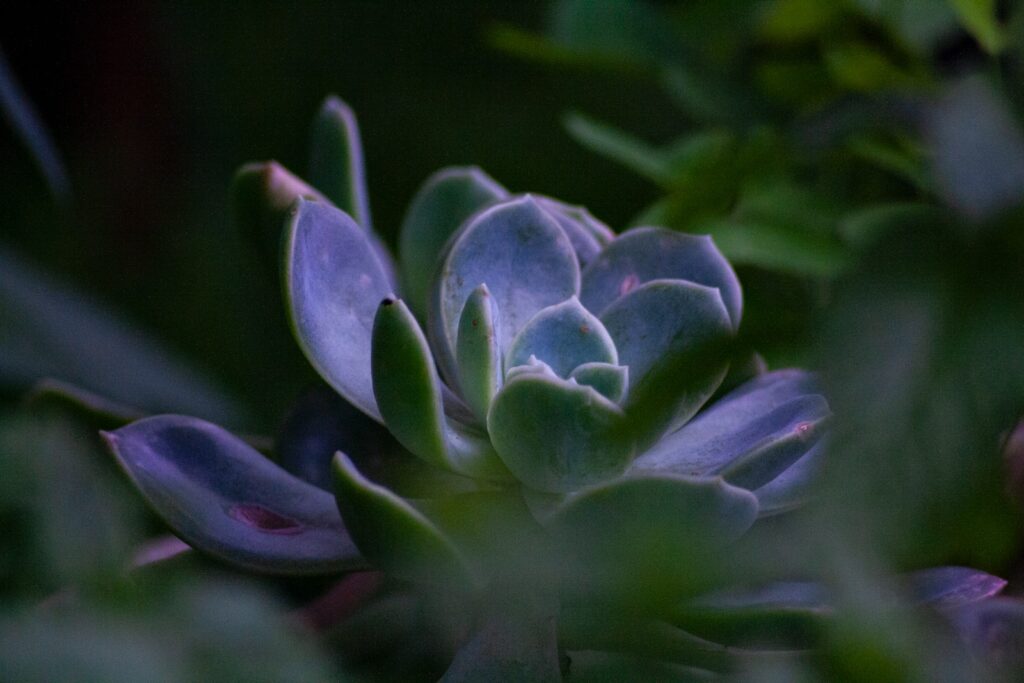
[264,519]
[584,329]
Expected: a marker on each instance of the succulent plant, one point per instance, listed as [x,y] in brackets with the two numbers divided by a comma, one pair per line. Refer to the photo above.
[556,438]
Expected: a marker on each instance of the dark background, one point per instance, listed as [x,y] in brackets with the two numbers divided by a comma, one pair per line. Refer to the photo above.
[155,104]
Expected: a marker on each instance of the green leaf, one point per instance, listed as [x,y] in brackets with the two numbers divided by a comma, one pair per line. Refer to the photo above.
[441,205]
[477,352]
[392,533]
[333,284]
[336,164]
[408,393]
[611,381]
[980,17]
[671,528]
[617,145]
[555,435]
[563,336]
[227,500]
[779,248]
[261,195]
[657,327]
[47,329]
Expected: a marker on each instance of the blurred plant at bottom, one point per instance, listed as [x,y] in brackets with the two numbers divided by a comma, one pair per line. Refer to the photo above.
[73,608]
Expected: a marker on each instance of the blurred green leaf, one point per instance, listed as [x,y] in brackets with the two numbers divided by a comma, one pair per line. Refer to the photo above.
[617,145]
[981,19]
[49,330]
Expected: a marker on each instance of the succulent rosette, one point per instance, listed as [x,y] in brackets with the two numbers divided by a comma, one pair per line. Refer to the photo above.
[541,407]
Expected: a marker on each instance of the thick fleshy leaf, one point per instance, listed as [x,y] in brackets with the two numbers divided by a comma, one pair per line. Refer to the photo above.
[587,234]
[261,194]
[659,531]
[477,352]
[441,205]
[333,284]
[321,423]
[793,487]
[336,160]
[564,336]
[950,587]
[518,250]
[750,436]
[225,499]
[664,328]
[405,383]
[644,254]
[556,435]
[393,534]
[408,393]
[611,381]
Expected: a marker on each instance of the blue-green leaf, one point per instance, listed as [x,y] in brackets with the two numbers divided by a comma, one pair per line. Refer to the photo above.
[587,234]
[477,352]
[564,336]
[750,436]
[519,251]
[408,393]
[556,435]
[644,254]
[336,160]
[441,205]
[333,284]
[659,324]
[611,381]
[392,533]
[226,499]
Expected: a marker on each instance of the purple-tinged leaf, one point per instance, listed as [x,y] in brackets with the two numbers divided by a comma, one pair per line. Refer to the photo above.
[518,250]
[442,204]
[333,284]
[644,254]
[227,500]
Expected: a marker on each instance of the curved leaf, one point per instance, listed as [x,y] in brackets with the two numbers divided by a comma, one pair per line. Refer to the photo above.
[792,488]
[665,327]
[442,204]
[393,534]
[555,435]
[611,381]
[521,254]
[587,234]
[564,336]
[408,393]
[477,352]
[949,587]
[645,531]
[750,436]
[333,283]
[336,160]
[227,500]
[644,254]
